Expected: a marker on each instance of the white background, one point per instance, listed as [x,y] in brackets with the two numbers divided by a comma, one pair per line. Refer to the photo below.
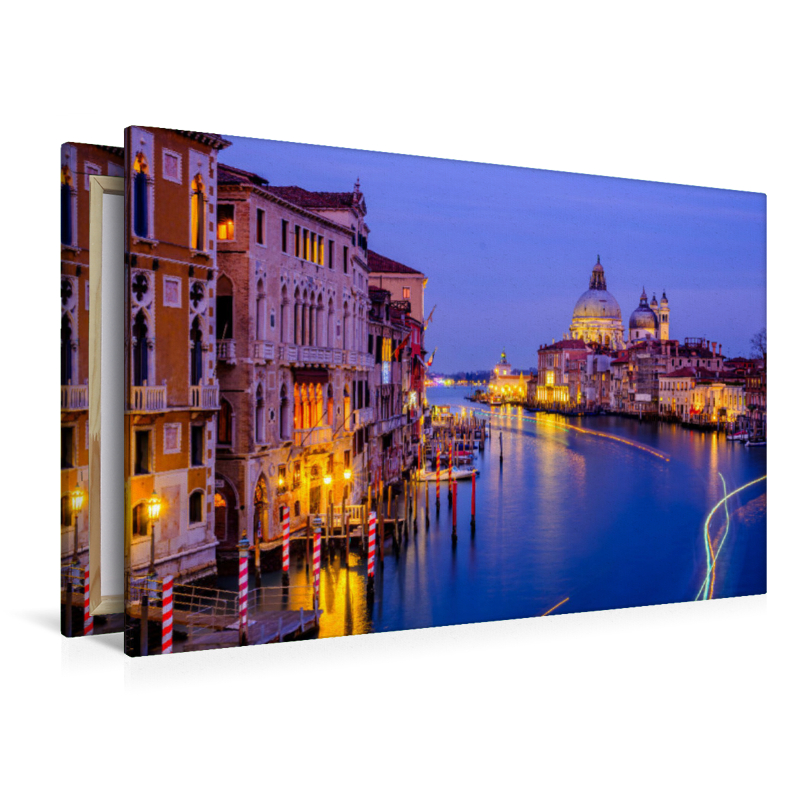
[682,701]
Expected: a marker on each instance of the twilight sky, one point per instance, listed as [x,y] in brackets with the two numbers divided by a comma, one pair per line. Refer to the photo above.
[509,250]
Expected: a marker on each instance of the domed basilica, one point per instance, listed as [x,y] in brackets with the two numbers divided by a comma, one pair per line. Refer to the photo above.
[597,317]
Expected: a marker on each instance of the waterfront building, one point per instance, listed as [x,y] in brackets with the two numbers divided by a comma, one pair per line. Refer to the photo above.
[556,363]
[171,408]
[595,379]
[293,367]
[404,283]
[78,163]
[395,425]
[597,316]
[507,384]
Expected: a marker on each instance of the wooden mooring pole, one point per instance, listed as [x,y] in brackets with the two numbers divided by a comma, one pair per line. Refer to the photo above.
[472,522]
[455,509]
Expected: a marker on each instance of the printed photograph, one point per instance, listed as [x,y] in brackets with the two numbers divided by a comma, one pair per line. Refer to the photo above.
[79,162]
[371,392]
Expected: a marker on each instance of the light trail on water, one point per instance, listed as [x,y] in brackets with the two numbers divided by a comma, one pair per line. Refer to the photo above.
[707,587]
[566,426]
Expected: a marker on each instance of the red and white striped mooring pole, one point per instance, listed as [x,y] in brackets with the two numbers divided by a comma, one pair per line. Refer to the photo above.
[371,548]
[285,526]
[88,619]
[244,546]
[317,544]
[166,615]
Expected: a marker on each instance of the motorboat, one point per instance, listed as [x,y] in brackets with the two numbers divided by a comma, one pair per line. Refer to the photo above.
[738,436]
[458,474]
[757,441]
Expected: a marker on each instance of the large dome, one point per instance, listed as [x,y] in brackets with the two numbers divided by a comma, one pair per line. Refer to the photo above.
[597,303]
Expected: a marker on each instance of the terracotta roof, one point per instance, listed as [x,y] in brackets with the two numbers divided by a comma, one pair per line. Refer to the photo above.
[305,199]
[212,139]
[379,263]
[233,175]
[566,344]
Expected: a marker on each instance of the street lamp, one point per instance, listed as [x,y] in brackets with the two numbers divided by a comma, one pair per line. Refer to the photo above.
[153,512]
[76,498]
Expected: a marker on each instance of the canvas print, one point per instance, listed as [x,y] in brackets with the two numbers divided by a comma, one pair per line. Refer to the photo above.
[371,392]
[79,162]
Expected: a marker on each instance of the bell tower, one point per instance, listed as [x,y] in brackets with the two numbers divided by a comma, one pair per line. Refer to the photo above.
[663,317]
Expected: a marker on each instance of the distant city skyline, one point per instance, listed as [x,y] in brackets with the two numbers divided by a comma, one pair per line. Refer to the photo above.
[508,250]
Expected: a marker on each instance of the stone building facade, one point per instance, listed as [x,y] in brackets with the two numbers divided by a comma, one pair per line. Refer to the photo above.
[173,395]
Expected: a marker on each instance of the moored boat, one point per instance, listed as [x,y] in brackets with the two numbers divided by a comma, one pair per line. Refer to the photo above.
[757,441]
[738,436]
[458,475]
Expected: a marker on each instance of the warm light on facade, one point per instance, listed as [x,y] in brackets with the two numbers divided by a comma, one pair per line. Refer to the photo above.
[154,507]
[348,474]
[327,480]
[76,498]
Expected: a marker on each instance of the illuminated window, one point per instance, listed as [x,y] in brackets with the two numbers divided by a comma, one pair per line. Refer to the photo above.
[549,379]
[225,222]
[219,501]
[198,214]
[313,249]
[66,205]
[321,252]
[406,293]
[140,199]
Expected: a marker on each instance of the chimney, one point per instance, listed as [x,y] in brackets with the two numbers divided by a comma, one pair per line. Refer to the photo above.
[714,348]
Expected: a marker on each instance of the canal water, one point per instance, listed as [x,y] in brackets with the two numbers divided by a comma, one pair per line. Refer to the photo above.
[572,518]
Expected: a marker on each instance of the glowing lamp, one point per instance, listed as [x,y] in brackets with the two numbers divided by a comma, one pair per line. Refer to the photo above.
[281,481]
[153,507]
[76,498]
[327,480]
[348,474]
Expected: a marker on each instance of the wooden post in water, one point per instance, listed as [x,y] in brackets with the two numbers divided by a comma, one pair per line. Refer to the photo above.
[427,506]
[380,516]
[501,448]
[455,508]
[308,544]
[450,473]
[472,524]
[344,527]
[438,459]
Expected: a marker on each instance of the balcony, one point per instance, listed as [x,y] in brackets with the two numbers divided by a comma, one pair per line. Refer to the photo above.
[226,350]
[390,424]
[362,416]
[316,355]
[288,353]
[74,398]
[263,351]
[312,437]
[204,397]
[148,398]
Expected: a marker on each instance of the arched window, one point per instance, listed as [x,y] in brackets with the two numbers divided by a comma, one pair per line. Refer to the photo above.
[284,321]
[225,423]
[345,321]
[198,213]
[347,422]
[140,360]
[260,509]
[66,205]
[304,320]
[261,312]
[196,506]
[298,408]
[260,412]
[330,419]
[196,355]
[331,339]
[284,414]
[298,317]
[140,520]
[66,351]
[140,200]
[224,308]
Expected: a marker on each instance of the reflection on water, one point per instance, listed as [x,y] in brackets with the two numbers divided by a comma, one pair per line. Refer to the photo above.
[590,518]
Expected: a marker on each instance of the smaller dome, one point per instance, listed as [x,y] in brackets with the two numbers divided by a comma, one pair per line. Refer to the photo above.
[643,318]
